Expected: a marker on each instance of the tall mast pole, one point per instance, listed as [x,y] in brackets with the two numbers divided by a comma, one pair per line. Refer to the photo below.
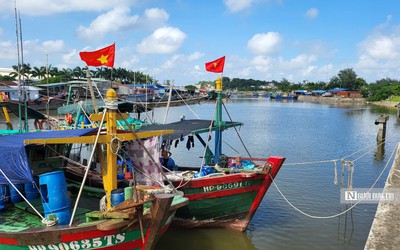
[26,126]
[218,120]
[18,72]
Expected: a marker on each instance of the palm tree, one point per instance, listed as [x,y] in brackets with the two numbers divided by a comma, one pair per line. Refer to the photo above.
[78,72]
[53,71]
[39,72]
[66,74]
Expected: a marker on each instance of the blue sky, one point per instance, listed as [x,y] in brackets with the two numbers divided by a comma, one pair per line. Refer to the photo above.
[297,40]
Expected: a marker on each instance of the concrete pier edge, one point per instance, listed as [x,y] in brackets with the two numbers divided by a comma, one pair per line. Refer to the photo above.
[385,229]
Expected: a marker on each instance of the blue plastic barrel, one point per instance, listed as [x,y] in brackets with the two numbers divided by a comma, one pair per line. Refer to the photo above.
[3,196]
[31,191]
[55,200]
[117,196]
[14,195]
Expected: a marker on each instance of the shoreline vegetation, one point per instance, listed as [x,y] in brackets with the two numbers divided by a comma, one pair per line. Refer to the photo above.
[340,100]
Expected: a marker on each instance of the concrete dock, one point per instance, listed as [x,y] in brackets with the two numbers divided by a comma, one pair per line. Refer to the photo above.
[385,229]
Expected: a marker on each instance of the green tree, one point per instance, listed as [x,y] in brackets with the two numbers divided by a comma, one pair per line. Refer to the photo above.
[348,78]
[39,72]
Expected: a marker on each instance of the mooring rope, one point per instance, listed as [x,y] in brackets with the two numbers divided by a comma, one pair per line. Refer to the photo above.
[342,159]
[345,211]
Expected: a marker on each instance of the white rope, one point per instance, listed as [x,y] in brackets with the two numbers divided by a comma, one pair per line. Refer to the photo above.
[102,203]
[335,180]
[345,211]
[342,159]
[88,168]
[187,105]
[114,150]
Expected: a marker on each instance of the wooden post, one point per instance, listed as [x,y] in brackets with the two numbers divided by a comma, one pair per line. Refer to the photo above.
[381,122]
[89,81]
[398,111]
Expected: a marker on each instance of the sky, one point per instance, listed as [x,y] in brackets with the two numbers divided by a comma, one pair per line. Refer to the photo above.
[171,40]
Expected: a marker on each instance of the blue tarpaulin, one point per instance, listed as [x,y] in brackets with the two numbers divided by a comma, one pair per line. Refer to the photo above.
[14,161]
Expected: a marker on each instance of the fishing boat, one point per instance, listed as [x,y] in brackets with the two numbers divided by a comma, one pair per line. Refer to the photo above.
[34,97]
[224,191]
[45,214]
[283,96]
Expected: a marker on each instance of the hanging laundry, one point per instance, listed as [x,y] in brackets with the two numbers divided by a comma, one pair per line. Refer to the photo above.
[191,140]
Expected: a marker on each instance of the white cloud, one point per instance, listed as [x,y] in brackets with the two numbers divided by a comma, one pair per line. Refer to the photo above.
[312,13]
[153,17]
[381,47]
[265,43]
[237,5]
[50,7]
[180,59]
[195,56]
[197,67]
[262,63]
[169,64]
[164,40]
[71,58]
[301,60]
[379,52]
[8,50]
[52,46]
[115,20]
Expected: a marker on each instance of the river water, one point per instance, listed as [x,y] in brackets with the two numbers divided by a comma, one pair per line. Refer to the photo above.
[310,136]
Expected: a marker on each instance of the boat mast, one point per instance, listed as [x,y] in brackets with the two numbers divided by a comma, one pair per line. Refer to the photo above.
[26,127]
[218,120]
[169,101]
[48,93]
[18,72]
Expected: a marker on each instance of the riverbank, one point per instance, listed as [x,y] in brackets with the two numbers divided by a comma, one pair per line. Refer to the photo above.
[384,233]
[339,100]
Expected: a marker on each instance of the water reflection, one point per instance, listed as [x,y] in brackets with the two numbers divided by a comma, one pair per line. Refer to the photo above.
[210,239]
[380,151]
[345,227]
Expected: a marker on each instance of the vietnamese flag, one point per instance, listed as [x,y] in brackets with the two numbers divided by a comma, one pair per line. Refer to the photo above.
[216,66]
[101,57]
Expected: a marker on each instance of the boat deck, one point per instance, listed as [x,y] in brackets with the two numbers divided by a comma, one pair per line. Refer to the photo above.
[20,216]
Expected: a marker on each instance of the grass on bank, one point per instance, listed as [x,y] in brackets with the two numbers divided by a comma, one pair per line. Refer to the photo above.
[395,99]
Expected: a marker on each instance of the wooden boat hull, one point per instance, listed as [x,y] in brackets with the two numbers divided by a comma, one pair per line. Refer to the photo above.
[89,236]
[87,239]
[227,201]
[157,104]
[54,103]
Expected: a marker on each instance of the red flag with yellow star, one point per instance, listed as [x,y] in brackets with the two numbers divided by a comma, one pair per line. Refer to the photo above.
[101,57]
[216,66]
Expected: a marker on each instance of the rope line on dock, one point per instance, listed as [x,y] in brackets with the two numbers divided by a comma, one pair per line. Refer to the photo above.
[340,159]
[345,211]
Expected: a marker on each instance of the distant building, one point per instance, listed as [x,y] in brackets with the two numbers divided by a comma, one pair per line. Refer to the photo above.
[5,71]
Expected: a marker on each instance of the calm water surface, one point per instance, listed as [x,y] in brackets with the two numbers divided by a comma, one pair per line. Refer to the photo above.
[306,134]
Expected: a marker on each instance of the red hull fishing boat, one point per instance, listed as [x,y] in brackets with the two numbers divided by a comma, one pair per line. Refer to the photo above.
[56,218]
[225,191]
